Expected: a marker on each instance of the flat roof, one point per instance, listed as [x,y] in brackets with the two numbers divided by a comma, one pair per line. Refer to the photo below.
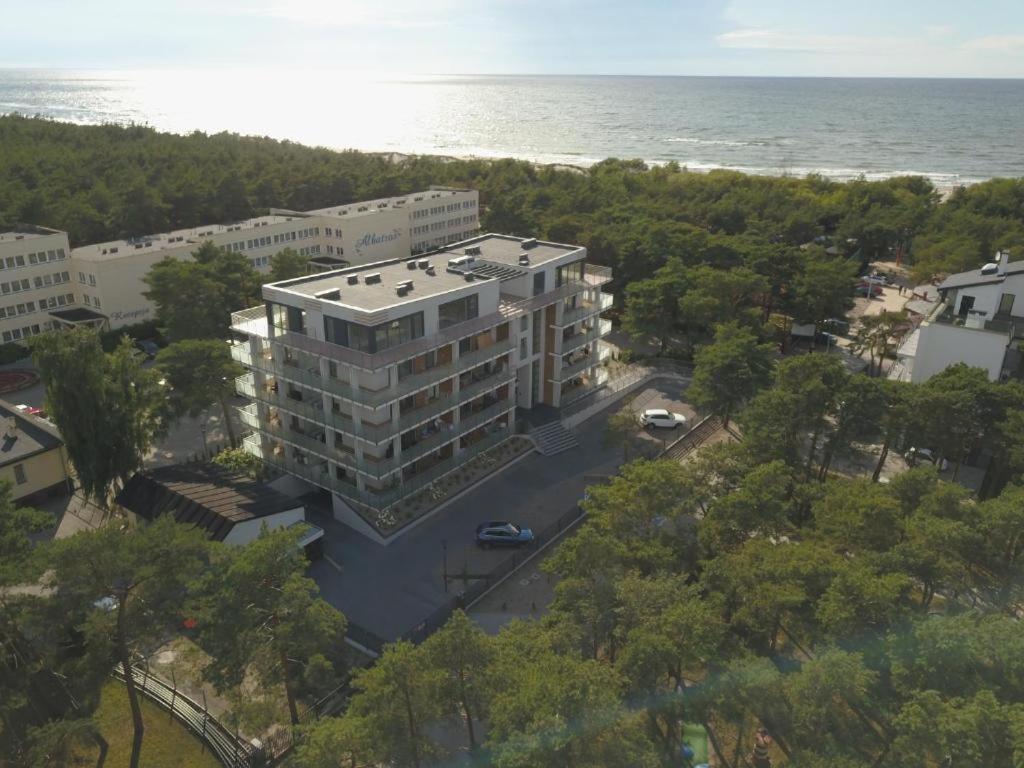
[27,232]
[501,250]
[31,436]
[205,495]
[179,238]
[388,203]
[77,315]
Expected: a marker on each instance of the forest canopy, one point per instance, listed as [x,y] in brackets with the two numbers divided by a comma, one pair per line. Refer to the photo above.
[104,182]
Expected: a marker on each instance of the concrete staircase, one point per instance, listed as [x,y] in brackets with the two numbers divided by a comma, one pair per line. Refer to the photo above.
[552,438]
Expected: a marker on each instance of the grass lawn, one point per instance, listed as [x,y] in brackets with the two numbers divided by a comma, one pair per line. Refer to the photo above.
[695,736]
[166,744]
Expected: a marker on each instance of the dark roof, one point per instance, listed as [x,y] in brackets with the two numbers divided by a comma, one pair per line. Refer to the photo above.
[77,315]
[30,437]
[203,494]
[974,277]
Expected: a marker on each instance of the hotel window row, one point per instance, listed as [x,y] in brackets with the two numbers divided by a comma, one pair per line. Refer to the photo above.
[39,257]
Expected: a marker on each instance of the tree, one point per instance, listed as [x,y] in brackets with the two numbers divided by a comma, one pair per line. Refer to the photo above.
[109,409]
[823,289]
[730,370]
[124,590]
[262,615]
[652,306]
[621,429]
[195,299]
[395,700]
[462,651]
[200,372]
[287,264]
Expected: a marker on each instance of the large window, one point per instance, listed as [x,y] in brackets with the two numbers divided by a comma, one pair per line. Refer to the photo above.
[458,311]
[570,272]
[538,283]
[375,338]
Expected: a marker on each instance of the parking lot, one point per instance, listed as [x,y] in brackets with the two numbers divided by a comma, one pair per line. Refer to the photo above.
[389,590]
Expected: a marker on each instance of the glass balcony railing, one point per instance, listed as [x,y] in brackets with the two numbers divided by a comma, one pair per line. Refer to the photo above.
[241,353]
[451,432]
[319,473]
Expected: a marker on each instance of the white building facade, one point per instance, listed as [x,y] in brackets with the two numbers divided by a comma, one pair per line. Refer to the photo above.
[106,279]
[979,321]
[374,381]
[35,281]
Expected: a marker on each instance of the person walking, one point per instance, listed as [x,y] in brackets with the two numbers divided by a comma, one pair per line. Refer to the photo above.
[760,757]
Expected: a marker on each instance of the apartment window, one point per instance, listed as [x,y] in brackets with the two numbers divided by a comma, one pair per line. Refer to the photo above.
[538,283]
[86,299]
[458,311]
[569,273]
[524,323]
[92,280]
[19,474]
[96,302]
[81,277]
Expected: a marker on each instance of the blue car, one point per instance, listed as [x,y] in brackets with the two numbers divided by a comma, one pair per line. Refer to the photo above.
[502,534]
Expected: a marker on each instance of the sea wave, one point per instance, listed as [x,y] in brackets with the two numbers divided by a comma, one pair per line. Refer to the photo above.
[714,142]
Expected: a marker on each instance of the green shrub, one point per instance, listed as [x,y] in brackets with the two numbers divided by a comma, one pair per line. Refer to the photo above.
[11,353]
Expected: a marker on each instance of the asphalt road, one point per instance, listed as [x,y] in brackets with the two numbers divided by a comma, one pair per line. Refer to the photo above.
[389,590]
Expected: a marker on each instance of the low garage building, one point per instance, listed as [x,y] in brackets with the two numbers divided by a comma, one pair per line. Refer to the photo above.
[230,506]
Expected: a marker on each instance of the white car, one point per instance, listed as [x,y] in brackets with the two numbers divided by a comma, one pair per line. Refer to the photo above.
[658,417]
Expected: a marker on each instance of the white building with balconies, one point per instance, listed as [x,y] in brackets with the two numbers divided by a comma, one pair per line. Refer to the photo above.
[374,381]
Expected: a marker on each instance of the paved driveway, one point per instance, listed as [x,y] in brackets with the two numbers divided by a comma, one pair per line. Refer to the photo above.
[390,590]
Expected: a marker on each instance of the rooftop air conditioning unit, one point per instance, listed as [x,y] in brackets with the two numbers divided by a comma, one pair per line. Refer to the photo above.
[332,294]
[113,250]
[406,284]
[353,279]
[138,246]
[104,251]
[524,259]
[459,261]
[410,264]
[990,269]
[530,242]
[423,263]
[431,271]
[372,277]
[472,250]
[469,277]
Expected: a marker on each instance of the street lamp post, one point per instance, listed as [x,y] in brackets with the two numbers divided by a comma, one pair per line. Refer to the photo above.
[202,428]
[444,566]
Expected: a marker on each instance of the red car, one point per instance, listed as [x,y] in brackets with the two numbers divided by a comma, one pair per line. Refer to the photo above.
[869,289]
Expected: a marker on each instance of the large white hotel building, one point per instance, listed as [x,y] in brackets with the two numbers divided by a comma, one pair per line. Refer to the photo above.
[373,381]
[44,283]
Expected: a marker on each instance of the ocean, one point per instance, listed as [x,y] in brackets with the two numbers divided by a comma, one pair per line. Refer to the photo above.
[952,131]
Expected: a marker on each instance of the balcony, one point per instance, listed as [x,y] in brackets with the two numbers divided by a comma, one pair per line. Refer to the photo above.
[253,322]
[240,353]
[599,329]
[319,473]
[414,383]
[454,431]
[582,363]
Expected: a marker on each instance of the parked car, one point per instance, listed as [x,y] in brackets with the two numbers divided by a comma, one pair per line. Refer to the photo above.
[31,410]
[147,347]
[915,456]
[869,289]
[502,534]
[659,417]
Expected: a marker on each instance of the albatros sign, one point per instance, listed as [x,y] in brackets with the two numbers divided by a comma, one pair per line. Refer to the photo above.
[372,239]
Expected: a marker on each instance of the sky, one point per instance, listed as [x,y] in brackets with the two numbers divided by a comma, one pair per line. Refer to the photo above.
[855,38]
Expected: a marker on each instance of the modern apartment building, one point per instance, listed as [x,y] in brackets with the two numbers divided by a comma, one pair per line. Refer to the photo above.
[109,276]
[36,290]
[373,381]
[978,321]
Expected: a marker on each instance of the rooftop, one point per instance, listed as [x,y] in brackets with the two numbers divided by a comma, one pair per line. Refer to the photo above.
[977,277]
[26,232]
[493,257]
[207,496]
[179,238]
[31,436]
[373,206]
